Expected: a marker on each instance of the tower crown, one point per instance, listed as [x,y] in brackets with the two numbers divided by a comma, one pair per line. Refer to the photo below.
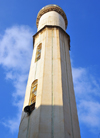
[51,15]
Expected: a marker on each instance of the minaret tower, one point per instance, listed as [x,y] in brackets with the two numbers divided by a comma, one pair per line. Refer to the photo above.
[49,109]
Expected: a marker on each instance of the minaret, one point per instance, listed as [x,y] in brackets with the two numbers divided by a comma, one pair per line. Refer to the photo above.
[49,109]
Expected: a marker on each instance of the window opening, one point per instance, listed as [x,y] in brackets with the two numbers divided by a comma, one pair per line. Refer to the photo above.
[33,92]
[28,109]
[38,52]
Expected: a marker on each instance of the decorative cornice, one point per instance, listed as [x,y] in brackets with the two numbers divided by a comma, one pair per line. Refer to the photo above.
[50,26]
[51,7]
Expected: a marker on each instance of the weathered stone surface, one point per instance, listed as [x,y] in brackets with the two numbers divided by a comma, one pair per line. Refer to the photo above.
[55,115]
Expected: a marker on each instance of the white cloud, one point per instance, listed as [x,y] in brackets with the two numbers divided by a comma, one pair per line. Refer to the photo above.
[15,56]
[89,113]
[12,124]
[87,92]
[15,47]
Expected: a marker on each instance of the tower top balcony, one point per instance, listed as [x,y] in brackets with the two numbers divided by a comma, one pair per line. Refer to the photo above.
[51,15]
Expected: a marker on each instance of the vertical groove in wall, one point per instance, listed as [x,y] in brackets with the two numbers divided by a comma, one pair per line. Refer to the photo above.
[52,116]
[38,78]
[44,58]
[28,127]
[68,92]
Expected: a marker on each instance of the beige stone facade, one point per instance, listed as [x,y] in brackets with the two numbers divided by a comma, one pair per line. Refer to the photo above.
[55,114]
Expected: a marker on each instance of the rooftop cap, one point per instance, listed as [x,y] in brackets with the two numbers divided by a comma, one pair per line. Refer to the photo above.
[52,7]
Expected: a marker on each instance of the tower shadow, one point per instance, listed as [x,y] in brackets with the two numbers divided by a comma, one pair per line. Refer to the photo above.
[46,121]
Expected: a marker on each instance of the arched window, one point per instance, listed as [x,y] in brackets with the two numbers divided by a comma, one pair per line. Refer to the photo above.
[33,92]
[38,52]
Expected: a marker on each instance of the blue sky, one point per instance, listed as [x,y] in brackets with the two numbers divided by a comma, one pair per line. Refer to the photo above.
[17,25]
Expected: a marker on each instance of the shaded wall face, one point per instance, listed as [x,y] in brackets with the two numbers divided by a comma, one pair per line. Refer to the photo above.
[39,125]
[51,18]
[71,123]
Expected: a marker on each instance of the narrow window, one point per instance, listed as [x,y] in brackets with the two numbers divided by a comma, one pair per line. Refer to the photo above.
[29,108]
[33,92]
[38,52]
